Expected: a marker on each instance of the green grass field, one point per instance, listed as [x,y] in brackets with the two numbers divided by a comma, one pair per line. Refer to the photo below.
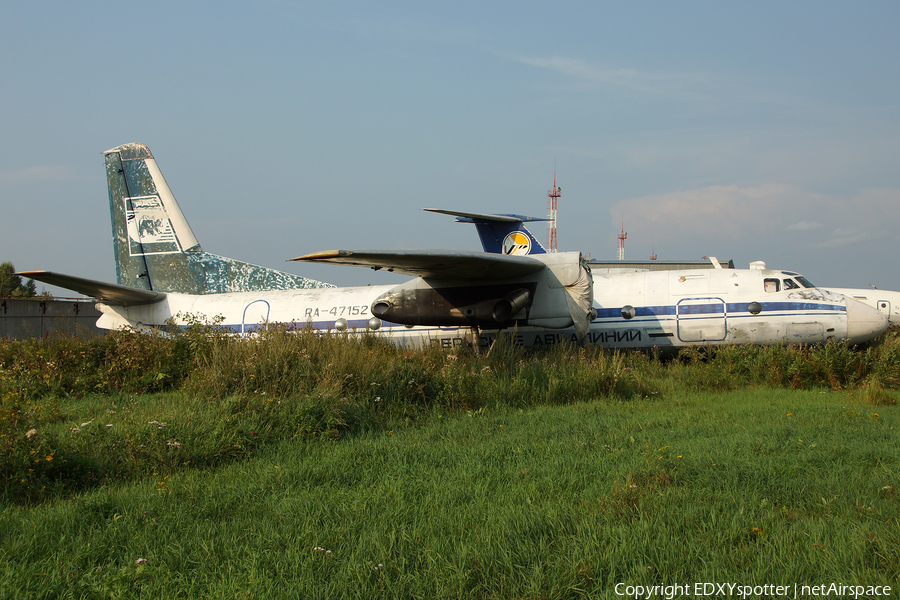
[516,475]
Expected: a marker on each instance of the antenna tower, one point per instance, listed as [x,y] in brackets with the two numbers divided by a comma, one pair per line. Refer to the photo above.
[622,237]
[553,194]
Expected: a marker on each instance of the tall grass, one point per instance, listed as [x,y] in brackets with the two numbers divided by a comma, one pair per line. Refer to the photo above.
[76,414]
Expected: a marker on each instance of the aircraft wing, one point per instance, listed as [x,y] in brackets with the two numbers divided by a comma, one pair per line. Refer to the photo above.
[485,217]
[108,293]
[446,264]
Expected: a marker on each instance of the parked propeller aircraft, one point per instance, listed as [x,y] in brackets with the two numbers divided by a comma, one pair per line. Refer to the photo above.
[508,234]
[166,279]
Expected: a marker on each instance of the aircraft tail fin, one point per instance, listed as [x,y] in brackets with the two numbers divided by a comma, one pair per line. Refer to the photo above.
[155,248]
[500,234]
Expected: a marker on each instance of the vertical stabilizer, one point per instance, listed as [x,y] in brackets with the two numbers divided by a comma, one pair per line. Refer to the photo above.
[154,246]
[500,234]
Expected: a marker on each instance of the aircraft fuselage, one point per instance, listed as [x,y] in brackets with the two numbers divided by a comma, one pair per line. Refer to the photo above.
[642,310]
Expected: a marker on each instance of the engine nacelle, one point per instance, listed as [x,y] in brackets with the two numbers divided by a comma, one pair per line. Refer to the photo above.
[543,298]
[419,303]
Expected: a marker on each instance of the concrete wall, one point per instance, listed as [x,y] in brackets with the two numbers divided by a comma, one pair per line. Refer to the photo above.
[22,318]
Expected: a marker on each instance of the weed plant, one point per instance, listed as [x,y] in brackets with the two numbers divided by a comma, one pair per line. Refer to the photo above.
[77,414]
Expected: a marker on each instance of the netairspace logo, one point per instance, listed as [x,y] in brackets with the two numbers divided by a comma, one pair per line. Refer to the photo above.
[736,590]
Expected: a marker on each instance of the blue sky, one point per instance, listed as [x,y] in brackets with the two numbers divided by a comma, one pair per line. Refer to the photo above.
[748,131]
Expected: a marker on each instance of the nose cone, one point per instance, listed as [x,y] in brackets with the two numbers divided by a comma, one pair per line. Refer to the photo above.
[864,322]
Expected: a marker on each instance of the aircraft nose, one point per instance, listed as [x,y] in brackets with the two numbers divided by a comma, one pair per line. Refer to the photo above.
[864,322]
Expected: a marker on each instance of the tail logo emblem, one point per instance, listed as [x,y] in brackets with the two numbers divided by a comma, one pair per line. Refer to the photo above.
[149,228]
[516,243]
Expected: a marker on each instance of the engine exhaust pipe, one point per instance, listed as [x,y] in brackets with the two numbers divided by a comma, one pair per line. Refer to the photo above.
[510,304]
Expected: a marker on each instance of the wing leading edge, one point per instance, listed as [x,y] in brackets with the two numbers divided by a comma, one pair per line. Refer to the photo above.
[470,217]
[445,264]
[108,293]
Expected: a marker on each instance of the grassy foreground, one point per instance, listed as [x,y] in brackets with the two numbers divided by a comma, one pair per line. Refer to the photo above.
[293,465]
[753,487]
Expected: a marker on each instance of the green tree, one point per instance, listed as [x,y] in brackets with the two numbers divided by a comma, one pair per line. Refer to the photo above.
[11,284]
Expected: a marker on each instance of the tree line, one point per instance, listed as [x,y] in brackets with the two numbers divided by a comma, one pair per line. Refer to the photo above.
[11,284]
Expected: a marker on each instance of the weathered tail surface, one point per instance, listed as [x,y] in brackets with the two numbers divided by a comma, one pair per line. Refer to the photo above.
[500,234]
[154,245]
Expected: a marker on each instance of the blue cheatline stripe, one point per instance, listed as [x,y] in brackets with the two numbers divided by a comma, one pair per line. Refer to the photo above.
[358,324]
[639,311]
[788,306]
[731,309]
[610,315]
[701,309]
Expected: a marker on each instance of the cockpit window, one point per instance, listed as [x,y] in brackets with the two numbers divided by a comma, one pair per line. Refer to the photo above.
[790,284]
[798,277]
[772,286]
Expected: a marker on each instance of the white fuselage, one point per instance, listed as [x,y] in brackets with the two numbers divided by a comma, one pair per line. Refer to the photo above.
[642,310]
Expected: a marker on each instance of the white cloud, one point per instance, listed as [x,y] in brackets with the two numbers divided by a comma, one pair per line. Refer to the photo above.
[670,84]
[581,69]
[767,215]
[36,174]
[718,211]
[843,238]
[804,226]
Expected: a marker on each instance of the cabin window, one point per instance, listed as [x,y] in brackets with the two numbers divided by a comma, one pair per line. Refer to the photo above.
[772,286]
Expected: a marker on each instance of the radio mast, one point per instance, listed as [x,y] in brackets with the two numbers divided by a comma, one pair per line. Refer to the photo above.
[622,237]
[553,194]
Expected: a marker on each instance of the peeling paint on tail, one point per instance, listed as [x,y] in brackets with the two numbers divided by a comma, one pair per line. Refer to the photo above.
[154,246]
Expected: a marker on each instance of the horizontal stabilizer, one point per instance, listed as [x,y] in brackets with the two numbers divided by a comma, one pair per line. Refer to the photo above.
[445,264]
[500,234]
[467,217]
[108,293]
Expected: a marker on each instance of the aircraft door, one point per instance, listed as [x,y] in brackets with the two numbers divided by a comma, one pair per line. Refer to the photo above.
[255,313]
[701,320]
[884,307]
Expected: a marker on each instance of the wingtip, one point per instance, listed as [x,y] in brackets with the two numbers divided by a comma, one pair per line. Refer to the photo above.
[323,255]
